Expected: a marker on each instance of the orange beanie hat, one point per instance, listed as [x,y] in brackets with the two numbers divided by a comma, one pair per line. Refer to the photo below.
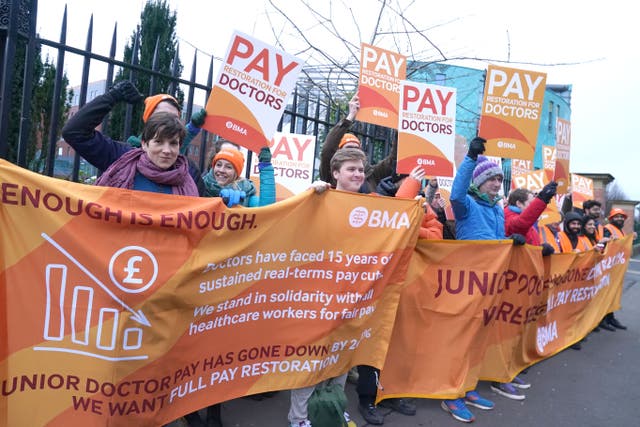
[348,137]
[233,156]
[151,102]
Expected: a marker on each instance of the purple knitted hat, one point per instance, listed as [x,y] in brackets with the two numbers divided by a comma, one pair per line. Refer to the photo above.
[484,170]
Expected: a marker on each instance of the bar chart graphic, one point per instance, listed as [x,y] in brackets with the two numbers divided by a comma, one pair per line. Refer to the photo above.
[72,308]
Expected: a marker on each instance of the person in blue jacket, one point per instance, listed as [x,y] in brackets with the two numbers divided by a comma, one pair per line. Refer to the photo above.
[479,216]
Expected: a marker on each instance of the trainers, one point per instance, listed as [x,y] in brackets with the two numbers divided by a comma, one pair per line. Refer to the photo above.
[518,382]
[348,420]
[370,414]
[616,323]
[474,399]
[507,390]
[458,410]
[403,406]
[305,423]
[606,326]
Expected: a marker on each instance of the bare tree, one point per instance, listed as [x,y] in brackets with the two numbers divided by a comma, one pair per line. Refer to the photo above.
[614,192]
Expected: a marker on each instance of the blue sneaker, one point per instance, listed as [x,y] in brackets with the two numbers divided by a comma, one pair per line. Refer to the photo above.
[518,382]
[458,410]
[507,390]
[474,399]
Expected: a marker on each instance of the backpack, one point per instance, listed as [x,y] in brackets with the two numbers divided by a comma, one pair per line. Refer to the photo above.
[327,405]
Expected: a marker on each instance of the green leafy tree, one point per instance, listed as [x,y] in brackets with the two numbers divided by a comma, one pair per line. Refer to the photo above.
[41,113]
[157,22]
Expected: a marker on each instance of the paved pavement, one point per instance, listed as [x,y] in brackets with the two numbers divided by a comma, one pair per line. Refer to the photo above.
[596,386]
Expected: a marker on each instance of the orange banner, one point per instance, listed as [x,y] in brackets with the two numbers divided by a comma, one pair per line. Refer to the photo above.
[581,189]
[379,86]
[511,111]
[503,309]
[426,128]
[563,152]
[129,308]
[250,93]
[549,161]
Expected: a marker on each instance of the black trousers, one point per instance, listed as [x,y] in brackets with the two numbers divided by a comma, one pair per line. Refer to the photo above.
[367,386]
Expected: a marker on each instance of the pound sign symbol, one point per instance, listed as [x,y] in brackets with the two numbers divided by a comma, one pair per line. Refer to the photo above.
[132,270]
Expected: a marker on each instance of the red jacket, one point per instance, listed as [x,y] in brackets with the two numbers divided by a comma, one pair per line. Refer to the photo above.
[522,223]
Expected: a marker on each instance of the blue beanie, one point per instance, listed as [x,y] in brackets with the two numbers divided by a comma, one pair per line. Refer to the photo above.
[485,169]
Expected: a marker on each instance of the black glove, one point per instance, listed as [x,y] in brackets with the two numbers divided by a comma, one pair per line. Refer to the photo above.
[125,91]
[198,118]
[386,187]
[548,191]
[518,239]
[547,249]
[476,146]
[265,155]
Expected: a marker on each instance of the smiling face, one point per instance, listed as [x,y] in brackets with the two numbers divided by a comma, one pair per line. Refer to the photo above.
[492,186]
[163,152]
[590,226]
[350,176]
[574,226]
[224,173]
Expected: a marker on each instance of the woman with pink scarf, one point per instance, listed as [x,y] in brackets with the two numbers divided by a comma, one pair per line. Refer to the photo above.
[157,166]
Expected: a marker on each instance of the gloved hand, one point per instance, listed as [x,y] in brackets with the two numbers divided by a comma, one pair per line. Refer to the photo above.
[232,197]
[548,191]
[518,239]
[386,187]
[197,118]
[125,91]
[265,155]
[476,147]
[547,249]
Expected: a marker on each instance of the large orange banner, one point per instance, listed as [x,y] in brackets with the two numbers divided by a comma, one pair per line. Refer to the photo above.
[504,308]
[511,111]
[379,86]
[126,308]
[250,93]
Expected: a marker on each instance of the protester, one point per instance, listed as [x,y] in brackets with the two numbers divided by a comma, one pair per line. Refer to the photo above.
[368,376]
[338,138]
[479,216]
[224,179]
[593,209]
[589,236]
[570,234]
[613,230]
[347,169]
[550,233]
[99,150]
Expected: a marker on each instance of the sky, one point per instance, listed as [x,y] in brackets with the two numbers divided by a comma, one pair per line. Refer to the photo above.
[590,45]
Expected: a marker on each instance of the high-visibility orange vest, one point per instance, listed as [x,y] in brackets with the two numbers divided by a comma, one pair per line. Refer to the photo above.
[547,236]
[565,244]
[616,233]
[599,232]
[583,241]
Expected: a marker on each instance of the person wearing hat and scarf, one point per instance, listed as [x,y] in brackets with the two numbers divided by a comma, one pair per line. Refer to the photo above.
[338,138]
[100,150]
[225,180]
[479,216]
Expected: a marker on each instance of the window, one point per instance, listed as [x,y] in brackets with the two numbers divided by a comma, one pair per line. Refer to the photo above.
[550,123]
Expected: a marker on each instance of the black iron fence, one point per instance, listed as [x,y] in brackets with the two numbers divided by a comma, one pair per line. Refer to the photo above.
[309,111]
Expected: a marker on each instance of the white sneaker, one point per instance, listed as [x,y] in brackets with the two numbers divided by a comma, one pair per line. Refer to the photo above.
[305,423]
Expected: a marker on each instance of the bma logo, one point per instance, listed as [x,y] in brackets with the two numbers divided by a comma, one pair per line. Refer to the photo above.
[509,145]
[378,219]
[545,335]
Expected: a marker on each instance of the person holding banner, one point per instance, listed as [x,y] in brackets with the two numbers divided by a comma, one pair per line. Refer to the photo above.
[224,179]
[593,209]
[479,216]
[612,231]
[589,235]
[570,235]
[550,234]
[338,138]
[98,149]
[347,168]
